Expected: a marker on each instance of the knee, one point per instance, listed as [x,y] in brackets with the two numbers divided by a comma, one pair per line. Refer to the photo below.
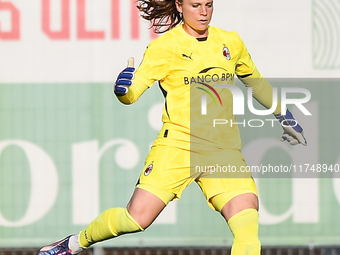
[236,204]
[125,223]
[140,217]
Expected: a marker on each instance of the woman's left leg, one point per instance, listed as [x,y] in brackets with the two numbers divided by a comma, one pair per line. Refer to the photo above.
[241,213]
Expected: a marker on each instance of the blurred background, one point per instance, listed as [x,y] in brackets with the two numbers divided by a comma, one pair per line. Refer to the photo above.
[69,149]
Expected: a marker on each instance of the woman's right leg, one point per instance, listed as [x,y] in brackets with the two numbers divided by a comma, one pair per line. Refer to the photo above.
[148,199]
[142,209]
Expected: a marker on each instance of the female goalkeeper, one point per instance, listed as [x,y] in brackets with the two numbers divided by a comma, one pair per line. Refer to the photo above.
[190,61]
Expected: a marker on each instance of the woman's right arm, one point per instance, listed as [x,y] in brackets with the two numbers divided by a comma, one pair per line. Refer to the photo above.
[130,86]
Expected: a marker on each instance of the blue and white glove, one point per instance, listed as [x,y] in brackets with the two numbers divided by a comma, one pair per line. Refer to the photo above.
[124,79]
[292,131]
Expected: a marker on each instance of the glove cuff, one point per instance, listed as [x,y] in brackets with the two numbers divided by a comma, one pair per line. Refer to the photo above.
[288,120]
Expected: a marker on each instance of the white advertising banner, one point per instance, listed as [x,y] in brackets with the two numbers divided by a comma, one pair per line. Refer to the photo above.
[90,41]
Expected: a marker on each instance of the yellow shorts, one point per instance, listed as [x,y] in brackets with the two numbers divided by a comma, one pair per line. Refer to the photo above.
[169,170]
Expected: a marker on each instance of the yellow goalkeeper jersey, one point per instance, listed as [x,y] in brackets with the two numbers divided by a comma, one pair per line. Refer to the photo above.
[187,70]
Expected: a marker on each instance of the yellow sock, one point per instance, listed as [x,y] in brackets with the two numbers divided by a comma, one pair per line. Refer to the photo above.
[111,223]
[245,226]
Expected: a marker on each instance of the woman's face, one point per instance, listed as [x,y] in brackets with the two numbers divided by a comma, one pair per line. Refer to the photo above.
[196,16]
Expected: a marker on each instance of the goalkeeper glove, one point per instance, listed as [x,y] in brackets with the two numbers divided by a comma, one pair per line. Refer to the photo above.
[292,131]
[124,79]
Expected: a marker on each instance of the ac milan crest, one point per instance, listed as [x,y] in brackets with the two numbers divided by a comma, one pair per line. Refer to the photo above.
[148,170]
[226,53]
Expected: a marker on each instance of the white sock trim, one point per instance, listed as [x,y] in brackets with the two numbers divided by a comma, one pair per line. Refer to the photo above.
[73,244]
